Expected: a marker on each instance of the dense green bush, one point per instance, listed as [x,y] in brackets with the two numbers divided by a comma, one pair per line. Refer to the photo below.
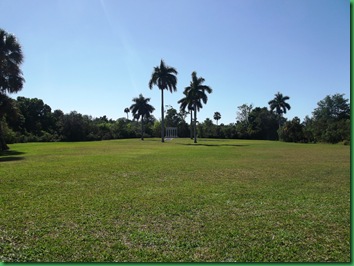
[292,131]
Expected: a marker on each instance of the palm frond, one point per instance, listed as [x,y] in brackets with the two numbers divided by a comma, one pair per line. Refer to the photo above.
[279,103]
[164,77]
[11,57]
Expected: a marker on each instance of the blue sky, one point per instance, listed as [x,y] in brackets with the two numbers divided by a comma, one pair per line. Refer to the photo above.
[94,56]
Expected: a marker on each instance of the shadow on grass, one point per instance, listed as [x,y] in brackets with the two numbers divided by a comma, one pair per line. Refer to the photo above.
[214,145]
[8,156]
[152,139]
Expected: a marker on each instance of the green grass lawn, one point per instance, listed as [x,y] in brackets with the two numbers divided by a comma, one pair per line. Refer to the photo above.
[132,200]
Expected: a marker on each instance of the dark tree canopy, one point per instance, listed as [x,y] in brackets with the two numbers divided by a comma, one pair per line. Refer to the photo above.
[262,124]
[37,114]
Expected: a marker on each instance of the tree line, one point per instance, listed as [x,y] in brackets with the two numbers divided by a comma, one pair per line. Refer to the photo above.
[32,120]
[329,123]
[26,119]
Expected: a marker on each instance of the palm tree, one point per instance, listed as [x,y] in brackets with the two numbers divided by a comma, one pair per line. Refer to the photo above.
[11,79]
[164,77]
[196,93]
[186,102]
[126,110]
[217,116]
[280,105]
[141,108]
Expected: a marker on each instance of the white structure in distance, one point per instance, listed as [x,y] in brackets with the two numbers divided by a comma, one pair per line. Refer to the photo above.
[171,132]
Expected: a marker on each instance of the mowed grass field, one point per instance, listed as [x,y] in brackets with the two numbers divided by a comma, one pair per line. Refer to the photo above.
[147,201]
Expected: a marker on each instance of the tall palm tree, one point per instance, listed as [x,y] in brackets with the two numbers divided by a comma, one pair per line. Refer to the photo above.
[217,116]
[164,77]
[11,79]
[126,110]
[186,102]
[196,92]
[280,105]
[141,109]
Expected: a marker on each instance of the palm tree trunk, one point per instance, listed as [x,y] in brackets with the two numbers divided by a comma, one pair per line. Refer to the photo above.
[191,125]
[278,131]
[162,119]
[195,125]
[142,128]
[3,146]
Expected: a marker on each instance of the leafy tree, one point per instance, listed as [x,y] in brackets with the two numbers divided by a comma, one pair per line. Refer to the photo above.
[75,127]
[208,128]
[123,128]
[8,113]
[293,131]
[149,125]
[183,127]
[280,105]
[196,92]
[243,113]
[331,119]
[156,129]
[242,122]
[165,79]
[217,117]
[141,109]
[37,114]
[308,127]
[228,131]
[332,107]
[11,79]
[57,117]
[262,124]
[173,118]
[101,128]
